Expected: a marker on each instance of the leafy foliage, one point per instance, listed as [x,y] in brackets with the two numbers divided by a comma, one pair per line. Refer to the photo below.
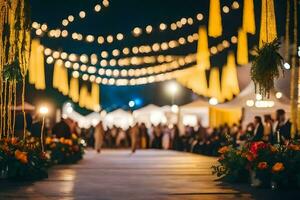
[65,151]
[12,72]
[279,164]
[266,67]
[22,159]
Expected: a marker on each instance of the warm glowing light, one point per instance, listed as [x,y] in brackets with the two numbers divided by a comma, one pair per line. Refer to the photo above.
[250,103]
[82,14]
[100,40]
[258,97]
[110,39]
[43,110]
[137,31]
[65,22]
[234,39]
[50,60]
[172,88]
[38,32]
[149,29]
[120,36]
[278,95]
[235,5]
[286,65]
[90,38]
[105,3]
[213,101]
[225,9]
[175,109]
[97,8]
[104,54]
[264,104]
[64,33]
[71,18]
[199,16]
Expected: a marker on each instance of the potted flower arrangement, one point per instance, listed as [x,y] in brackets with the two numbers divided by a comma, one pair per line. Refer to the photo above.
[22,159]
[65,151]
[270,165]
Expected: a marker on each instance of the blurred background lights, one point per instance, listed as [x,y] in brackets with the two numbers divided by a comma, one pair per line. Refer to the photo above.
[213,101]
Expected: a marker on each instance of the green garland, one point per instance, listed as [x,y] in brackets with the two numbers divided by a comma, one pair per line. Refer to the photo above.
[266,67]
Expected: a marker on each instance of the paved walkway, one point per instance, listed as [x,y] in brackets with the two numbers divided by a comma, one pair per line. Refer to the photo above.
[149,174]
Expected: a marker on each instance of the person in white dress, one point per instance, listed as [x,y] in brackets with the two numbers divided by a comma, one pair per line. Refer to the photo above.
[99,136]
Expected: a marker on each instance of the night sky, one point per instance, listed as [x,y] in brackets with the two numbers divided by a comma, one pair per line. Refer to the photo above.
[123,16]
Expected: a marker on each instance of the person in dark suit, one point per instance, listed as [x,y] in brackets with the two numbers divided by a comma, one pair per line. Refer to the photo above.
[282,132]
[61,129]
[259,129]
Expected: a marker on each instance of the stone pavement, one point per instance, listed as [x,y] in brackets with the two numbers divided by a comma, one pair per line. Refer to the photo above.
[146,175]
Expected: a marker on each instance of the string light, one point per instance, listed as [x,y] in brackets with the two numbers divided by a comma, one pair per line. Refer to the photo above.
[137,31]
[143,49]
[82,14]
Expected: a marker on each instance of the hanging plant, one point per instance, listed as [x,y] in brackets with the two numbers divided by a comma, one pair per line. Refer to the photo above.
[266,67]
[12,72]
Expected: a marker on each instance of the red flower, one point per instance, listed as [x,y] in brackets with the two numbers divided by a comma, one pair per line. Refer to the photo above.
[256,146]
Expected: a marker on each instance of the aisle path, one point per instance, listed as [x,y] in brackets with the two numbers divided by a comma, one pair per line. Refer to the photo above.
[115,174]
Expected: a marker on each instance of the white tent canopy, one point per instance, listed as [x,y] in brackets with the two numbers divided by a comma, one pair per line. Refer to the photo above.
[119,118]
[195,111]
[150,114]
[253,104]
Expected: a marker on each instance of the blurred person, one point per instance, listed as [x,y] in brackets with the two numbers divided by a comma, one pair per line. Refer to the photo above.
[62,129]
[176,142]
[268,128]
[259,129]
[134,132]
[282,131]
[157,137]
[99,136]
[166,137]
[144,137]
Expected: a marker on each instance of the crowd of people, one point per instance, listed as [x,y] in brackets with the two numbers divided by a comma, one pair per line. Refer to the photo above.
[197,139]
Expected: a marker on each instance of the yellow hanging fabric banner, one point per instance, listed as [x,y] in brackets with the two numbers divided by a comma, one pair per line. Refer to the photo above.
[215,19]
[203,54]
[64,85]
[95,96]
[74,90]
[60,77]
[242,48]
[249,17]
[225,88]
[214,84]
[230,83]
[57,74]
[194,78]
[268,31]
[83,98]
[37,65]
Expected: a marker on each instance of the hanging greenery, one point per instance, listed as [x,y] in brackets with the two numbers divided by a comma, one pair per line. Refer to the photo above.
[11,72]
[266,67]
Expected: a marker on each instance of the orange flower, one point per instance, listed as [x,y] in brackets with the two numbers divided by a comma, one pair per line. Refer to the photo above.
[294,147]
[273,149]
[48,140]
[74,136]
[14,140]
[21,156]
[62,140]
[262,165]
[68,142]
[223,150]
[278,167]
[250,157]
